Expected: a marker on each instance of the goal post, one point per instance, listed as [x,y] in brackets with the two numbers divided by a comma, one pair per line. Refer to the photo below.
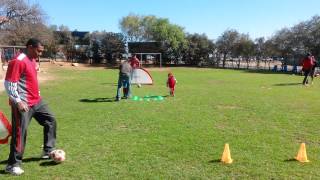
[143,49]
[156,54]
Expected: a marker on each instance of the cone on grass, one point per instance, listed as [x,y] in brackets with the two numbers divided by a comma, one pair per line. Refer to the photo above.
[302,154]
[226,156]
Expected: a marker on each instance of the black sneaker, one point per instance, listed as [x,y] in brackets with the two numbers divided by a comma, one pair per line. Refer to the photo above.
[45,155]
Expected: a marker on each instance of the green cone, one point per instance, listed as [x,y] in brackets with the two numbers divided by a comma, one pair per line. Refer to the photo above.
[135,98]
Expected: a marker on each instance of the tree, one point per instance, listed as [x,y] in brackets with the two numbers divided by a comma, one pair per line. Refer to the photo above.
[172,37]
[107,45]
[19,10]
[312,35]
[226,43]
[131,26]
[292,43]
[96,46]
[259,50]
[151,28]
[198,49]
[20,32]
[113,46]
[270,49]
[63,37]
[21,21]
[244,48]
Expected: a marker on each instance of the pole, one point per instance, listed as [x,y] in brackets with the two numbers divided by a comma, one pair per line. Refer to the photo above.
[160,60]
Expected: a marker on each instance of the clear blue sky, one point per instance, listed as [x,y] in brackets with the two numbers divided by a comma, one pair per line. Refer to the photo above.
[212,17]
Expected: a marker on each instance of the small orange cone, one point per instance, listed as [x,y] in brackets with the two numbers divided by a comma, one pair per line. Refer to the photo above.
[226,156]
[302,154]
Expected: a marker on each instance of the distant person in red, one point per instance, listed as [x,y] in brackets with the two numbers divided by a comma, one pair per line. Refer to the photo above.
[313,69]
[308,63]
[171,83]
[134,61]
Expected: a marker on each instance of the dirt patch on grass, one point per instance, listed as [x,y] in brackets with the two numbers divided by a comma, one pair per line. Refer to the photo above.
[81,66]
[43,75]
[159,69]
[75,66]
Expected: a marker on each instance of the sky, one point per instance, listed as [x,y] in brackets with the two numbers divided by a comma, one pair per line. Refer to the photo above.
[258,18]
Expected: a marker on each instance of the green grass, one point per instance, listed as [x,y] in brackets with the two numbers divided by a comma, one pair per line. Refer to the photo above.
[263,116]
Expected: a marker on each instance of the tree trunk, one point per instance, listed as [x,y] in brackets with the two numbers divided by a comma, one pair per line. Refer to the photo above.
[224,60]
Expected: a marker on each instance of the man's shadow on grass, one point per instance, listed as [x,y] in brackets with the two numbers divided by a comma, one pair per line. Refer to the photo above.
[98,100]
[26,160]
[45,162]
[111,84]
[4,162]
[287,84]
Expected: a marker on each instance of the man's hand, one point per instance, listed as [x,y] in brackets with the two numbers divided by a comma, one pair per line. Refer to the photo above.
[22,106]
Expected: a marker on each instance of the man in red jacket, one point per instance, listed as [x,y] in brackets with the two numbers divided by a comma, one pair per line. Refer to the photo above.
[22,87]
[307,63]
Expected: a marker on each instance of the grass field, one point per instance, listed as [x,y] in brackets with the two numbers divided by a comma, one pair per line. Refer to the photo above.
[263,116]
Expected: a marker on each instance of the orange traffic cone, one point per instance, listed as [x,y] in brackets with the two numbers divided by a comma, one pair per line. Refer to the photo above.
[226,156]
[302,154]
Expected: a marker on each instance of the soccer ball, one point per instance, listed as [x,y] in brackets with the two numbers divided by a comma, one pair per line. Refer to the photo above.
[58,155]
[139,85]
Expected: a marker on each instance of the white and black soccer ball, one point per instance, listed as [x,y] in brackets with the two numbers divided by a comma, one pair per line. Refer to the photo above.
[139,85]
[58,155]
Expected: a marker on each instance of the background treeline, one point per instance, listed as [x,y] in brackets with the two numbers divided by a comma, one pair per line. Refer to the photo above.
[20,21]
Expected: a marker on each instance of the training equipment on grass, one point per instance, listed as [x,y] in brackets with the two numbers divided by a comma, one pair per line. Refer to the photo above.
[58,155]
[141,76]
[135,98]
[148,98]
[5,129]
[302,154]
[226,155]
